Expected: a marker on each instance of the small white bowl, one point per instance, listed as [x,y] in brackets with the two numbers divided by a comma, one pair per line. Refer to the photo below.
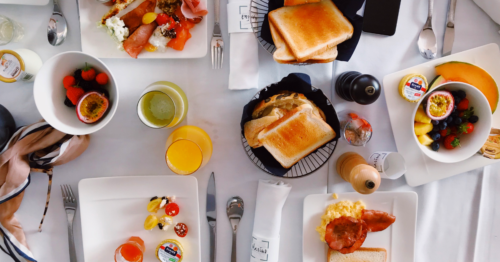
[470,143]
[50,93]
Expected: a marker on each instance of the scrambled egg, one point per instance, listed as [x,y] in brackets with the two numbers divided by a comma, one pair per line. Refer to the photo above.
[342,208]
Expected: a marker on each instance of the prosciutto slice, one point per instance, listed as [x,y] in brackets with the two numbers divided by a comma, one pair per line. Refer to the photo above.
[136,42]
[133,19]
[193,8]
[377,220]
[345,234]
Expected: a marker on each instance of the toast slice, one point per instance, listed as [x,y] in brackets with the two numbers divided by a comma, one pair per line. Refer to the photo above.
[295,135]
[311,29]
[299,2]
[252,128]
[363,254]
[284,55]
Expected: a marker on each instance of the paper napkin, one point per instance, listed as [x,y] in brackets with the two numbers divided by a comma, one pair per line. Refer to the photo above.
[243,47]
[271,197]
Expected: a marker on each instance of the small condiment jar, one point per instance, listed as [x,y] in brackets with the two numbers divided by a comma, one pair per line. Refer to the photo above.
[170,250]
[19,65]
[356,130]
[131,251]
[353,86]
[354,169]
[107,2]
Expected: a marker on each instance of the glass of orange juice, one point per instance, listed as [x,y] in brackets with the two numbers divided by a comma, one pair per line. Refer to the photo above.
[131,251]
[189,148]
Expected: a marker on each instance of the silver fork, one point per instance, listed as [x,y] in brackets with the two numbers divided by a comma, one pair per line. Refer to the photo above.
[70,206]
[217,43]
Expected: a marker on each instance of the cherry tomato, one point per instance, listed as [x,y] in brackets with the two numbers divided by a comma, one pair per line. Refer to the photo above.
[181,229]
[172,209]
[162,19]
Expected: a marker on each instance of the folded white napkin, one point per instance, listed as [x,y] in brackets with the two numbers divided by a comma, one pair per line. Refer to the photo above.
[271,196]
[491,7]
[243,53]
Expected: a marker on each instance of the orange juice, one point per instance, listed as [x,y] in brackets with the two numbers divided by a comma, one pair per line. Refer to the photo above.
[189,148]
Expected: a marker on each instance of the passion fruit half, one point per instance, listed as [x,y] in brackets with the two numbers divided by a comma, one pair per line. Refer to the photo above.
[91,107]
[440,105]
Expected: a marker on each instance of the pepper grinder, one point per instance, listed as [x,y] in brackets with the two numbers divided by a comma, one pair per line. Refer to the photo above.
[354,169]
[353,86]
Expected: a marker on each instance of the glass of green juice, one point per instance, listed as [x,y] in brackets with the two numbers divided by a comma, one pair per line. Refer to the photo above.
[162,104]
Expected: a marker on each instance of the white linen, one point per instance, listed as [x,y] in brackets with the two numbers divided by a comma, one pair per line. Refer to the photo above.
[491,7]
[243,60]
[271,197]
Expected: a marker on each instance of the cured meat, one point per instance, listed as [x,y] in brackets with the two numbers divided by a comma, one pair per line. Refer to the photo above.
[193,8]
[377,220]
[345,234]
[136,42]
[133,19]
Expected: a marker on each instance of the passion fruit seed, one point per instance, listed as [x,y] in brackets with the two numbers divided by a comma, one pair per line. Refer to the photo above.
[154,205]
[150,222]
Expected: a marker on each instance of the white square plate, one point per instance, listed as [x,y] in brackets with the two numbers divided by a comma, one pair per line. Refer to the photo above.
[398,239]
[96,42]
[114,209]
[420,168]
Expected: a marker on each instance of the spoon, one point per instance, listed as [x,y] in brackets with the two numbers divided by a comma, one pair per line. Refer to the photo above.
[57,28]
[427,44]
[234,213]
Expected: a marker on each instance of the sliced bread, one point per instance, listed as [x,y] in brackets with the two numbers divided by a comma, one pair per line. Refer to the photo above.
[363,254]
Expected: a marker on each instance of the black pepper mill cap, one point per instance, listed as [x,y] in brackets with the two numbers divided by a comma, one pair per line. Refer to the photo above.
[365,89]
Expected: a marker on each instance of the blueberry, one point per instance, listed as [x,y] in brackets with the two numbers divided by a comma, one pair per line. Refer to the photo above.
[449,119]
[435,136]
[461,94]
[457,121]
[454,108]
[473,119]
[435,146]
[443,125]
[457,100]
[435,129]
[455,114]
[454,93]
[435,122]
[68,102]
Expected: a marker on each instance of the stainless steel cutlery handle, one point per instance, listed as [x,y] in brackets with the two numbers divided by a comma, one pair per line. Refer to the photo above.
[213,234]
[428,23]
[233,249]
[451,13]
[71,239]
[57,8]
[217,11]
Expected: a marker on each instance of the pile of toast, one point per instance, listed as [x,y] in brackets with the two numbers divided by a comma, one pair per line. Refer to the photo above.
[289,126]
[308,31]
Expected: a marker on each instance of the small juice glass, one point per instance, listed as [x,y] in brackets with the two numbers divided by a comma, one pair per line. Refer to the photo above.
[189,148]
[162,104]
[131,251]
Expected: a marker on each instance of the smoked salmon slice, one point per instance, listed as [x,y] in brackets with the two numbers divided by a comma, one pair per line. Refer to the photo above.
[197,7]
[133,19]
[136,42]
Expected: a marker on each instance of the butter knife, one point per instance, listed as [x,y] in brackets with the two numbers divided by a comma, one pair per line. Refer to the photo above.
[212,216]
[449,33]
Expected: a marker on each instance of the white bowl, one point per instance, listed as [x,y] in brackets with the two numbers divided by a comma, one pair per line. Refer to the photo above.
[50,93]
[470,143]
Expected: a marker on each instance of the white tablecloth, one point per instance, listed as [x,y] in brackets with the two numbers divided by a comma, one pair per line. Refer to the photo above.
[455,217]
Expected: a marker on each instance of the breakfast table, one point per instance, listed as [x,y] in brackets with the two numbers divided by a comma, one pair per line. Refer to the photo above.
[457,217]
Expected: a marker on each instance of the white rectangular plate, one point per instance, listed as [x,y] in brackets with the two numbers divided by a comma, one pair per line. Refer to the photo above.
[96,42]
[398,239]
[114,209]
[420,168]
[25,2]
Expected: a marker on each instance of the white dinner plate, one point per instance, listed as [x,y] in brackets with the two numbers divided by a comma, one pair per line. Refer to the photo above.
[420,168]
[112,209]
[398,239]
[25,2]
[96,41]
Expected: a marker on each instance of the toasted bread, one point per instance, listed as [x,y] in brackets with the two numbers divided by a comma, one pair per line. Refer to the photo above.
[252,128]
[295,135]
[363,254]
[285,100]
[311,29]
[299,2]
[115,9]
[284,55]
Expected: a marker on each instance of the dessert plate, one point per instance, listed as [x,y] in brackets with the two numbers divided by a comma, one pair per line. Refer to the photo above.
[398,239]
[112,209]
[96,41]
[420,168]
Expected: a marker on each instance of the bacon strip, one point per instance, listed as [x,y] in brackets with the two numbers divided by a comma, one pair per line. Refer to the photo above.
[136,42]
[345,234]
[133,19]
[377,220]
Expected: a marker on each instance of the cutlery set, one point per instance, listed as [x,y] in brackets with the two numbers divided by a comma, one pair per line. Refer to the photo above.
[427,43]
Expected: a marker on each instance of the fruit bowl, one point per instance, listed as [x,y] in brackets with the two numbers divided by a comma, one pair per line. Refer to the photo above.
[469,143]
[50,93]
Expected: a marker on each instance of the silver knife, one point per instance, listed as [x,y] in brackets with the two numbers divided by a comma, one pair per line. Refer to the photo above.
[449,33]
[212,216]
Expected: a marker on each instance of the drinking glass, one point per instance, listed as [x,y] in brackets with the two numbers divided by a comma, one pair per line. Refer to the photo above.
[10,30]
[162,104]
[189,148]
[131,251]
